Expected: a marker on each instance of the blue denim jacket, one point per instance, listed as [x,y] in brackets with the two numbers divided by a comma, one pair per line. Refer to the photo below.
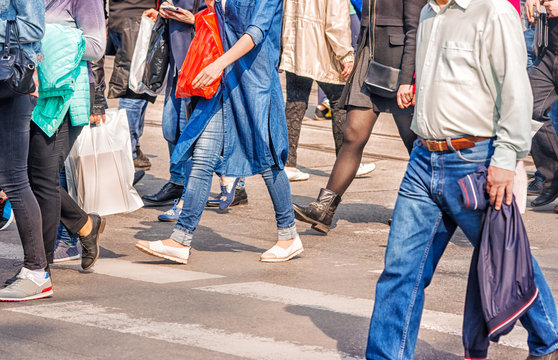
[250,92]
[30,19]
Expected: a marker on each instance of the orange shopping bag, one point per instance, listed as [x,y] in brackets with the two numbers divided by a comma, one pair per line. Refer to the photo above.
[206,47]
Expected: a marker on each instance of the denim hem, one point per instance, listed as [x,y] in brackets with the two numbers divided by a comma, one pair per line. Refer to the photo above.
[182,236]
[286,233]
[178,183]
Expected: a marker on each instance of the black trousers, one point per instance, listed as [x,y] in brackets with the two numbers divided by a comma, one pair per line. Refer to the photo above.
[298,93]
[544,149]
[15,119]
[46,159]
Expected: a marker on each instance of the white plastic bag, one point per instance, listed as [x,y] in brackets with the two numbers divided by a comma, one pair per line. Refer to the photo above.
[100,168]
[137,67]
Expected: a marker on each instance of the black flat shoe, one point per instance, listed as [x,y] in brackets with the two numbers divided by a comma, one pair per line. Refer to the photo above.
[240,197]
[90,243]
[166,196]
[547,196]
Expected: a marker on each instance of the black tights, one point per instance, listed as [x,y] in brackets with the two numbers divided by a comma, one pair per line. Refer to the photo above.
[358,127]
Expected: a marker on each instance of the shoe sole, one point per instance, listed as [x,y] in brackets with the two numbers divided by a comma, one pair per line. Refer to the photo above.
[295,179]
[10,221]
[43,295]
[69,258]
[165,220]
[101,229]
[149,203]
[275,260]
[315,224]
[158,254]
[545,202]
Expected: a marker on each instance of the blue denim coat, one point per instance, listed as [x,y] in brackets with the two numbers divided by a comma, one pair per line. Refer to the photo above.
[250,93]
[30,18]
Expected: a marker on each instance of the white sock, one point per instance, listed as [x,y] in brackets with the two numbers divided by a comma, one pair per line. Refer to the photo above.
[39,273]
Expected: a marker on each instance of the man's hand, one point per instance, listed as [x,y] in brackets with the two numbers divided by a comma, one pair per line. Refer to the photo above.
[97,118]
[151,13]
[499,184]
[405,96]
[551,8]
[529,9]
[347,68]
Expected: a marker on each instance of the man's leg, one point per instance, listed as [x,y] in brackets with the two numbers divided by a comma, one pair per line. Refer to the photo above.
[419,235]
[135,110]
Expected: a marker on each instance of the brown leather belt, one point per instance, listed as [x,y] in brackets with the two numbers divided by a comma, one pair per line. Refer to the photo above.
[458,143]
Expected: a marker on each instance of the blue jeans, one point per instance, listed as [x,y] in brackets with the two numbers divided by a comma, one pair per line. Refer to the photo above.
[529,35]
[206,156]
[175,117]
[135,110]
[427,213]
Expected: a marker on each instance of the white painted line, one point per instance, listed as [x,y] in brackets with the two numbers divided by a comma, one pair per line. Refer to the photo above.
[11,251]
[148,273]
[431,320]
[237,344]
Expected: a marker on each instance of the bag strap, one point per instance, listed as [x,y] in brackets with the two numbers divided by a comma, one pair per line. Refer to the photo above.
[372,30]
[7,40]
[50,5]
[196,7]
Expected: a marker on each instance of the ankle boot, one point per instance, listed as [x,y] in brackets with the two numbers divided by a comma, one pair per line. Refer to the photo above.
[319,213]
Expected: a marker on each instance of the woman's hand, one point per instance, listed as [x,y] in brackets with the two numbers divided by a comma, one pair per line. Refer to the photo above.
[208,75]
[405,96]
[347,68]
[180,14]
[151,13]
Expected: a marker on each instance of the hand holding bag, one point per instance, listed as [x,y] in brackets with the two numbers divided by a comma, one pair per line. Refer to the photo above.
[381,80]
[16,68]
[204,50]
[100,169]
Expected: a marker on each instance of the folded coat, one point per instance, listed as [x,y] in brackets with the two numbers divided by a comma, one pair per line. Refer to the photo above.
[501,284]
[63,80]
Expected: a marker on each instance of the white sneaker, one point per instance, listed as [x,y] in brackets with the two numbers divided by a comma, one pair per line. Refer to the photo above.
[364,169]
[157,248]
[278,254]
[28,286]
[296,175]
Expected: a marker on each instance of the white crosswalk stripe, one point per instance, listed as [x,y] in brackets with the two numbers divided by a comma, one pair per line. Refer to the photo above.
[237,344]
[431,320]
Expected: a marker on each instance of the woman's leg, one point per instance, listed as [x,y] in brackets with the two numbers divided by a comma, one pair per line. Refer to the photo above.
[15,119]
[280,191]
[288,242]
[205,157]
[357,130]
[339,116]
[298,92]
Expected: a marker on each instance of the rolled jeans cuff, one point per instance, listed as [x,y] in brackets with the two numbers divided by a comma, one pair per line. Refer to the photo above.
[286,233]
[182,237]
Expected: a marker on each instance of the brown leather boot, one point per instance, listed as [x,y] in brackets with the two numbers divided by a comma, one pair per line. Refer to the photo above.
[319,213]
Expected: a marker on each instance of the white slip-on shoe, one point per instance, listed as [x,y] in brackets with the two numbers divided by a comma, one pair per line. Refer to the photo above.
[296,175]
[278,254]
[364,169]
[157,248]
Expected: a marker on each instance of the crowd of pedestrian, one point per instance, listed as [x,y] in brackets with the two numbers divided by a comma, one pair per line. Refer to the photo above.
[464,80]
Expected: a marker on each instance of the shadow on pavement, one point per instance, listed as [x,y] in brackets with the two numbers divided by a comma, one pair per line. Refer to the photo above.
[351,333]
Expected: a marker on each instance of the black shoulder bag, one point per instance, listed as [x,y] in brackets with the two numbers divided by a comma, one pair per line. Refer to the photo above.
[16,68]
[381,80]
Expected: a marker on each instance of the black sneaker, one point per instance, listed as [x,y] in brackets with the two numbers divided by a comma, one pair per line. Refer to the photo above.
[535,186]
[322,114]
[90,243]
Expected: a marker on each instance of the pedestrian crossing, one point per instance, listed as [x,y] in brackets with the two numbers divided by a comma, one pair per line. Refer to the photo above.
[195,335]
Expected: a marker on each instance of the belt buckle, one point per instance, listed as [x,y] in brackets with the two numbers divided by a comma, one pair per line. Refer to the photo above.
[434,145]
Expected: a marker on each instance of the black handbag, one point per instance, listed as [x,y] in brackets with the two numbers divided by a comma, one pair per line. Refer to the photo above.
[381,80]
[158,56]
[16,68]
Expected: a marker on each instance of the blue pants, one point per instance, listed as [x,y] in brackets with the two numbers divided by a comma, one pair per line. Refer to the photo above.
[206,155]
[175,117]
[426,215]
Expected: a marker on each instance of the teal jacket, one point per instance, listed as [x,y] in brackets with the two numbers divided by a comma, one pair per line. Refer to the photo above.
[63,80]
